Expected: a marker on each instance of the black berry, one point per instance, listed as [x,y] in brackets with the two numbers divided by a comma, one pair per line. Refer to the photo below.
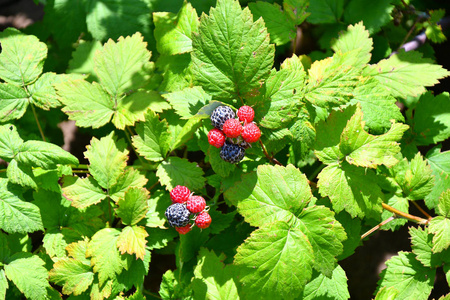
[220,115]
[232,153]
[178,215]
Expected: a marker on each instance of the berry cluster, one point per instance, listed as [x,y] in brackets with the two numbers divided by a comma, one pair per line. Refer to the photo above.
[240,131]
[185,205]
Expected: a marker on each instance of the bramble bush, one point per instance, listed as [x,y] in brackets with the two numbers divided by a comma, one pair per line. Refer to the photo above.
[350,139]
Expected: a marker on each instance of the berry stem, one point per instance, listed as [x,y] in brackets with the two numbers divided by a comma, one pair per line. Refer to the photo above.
[422,210]
[271,158]
[37,122]
[405,215]
[377,227]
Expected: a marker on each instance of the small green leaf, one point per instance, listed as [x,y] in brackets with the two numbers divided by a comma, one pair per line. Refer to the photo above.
[188,101]
[374,15]
[408,277]
[82,61]
[213,279]
[178,171]
[325,11]
[133,207]
[283,257]
[152,139]
[28,273]
[356,37]
[22,57]
[132,108]
[173,31]
[387,294]
[3,284]
[107,158]
[17,215]
[10,141]
[44,155]
[132,241]
[156,207]
[54,244]
[440,164]
[14,102]
[21,174]
[180,135]
[399,203]
[130,178]
[322,287]
[82,192]
[124,65]
[74,276]
[177,72]
[444,204]
[421,244]
[440,227]
[229,68]
[296,10]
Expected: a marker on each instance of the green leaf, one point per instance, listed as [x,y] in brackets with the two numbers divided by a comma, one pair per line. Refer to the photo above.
[325,11]
[21,174]
[377,105]
[14,102]
[130,178]
[440,164]
[124,65]
[296,10]
[132,241]
[17,215]
[74,276]
[78,251]
[421,244]
[332,80]
[406,73]
[28,273]
[226,67]
[356,37]
[131,109]
[178,171]
[387,294]
[440,227]
[10,141]
[399,203]
[106,169]
[44,155]
[374,15]
[152,139]
[22,57]
[82,192]
[366,150]
[431,121]
[213,279]
[444,204]
[173,32]
[177,72]
[82,61]
[322,287]
[188,101]
[105,257]
[283,258]
[156,207]
[408,277]
[133,207]
[219,166]
[351,189]
[3,284]
[281,28]
[86,103]
[180,135]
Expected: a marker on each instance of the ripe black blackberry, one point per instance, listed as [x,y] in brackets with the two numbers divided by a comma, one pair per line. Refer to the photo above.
[178,215]
[220,115]
[232,153]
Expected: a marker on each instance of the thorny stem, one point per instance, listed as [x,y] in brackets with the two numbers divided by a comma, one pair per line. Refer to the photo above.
[422,211]
[405,215]
[271,158]
[37,122]
[377,227]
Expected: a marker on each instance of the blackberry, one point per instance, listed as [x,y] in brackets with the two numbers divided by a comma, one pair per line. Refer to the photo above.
[178,215]
[220,115]
[232,153]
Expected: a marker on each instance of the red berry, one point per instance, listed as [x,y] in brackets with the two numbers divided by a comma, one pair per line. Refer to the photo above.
[251,133]
[232,128]
[203,220]
[180,194]
[196,204]
[216,138]
[246,114]
[183,230]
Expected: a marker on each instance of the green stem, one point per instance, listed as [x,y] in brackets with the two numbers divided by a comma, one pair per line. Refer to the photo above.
[37,122]
[151,294]
[294,44]
[316,172]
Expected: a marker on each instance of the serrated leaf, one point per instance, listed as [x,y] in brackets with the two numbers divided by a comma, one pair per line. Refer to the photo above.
[431,121]
[373,14]
[44,155]
[21,174]
[74,276]
[173,31]
[283,257]
[365,150]
[82,61]
[213,279]
[14,102]
[22,57]
[107,158]
[105,257]
[386,294]
[421,244]
[399,203]
[82,192]
[408,277]
[296,10]
[10,141]
[444,204]
[133,207]
[325,11]
[178,171]
[78,251]
[132,241]
[157,205]
[281,28]
[406,73]
[17,215]
[132,108]
[124,65]
[352,189]
[440,164]
[188,101]
[180,135]
[54,243]
[86,103]
[3,284]
[130,178]
[28,273]
[219,166]
[177,72]
[440,227]
[356,37]
[322,287]
[152,139]
[232,54]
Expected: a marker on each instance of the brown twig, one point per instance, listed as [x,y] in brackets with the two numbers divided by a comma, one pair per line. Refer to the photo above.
[405,215]
[422,211]
[271,158]
[377,227]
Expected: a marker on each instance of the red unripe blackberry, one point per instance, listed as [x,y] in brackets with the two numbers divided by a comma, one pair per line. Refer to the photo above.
[216,138]
[246,113]
[183,230]
[179,194]
[196,204]
[203,220]
[251,133]
[232,128]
